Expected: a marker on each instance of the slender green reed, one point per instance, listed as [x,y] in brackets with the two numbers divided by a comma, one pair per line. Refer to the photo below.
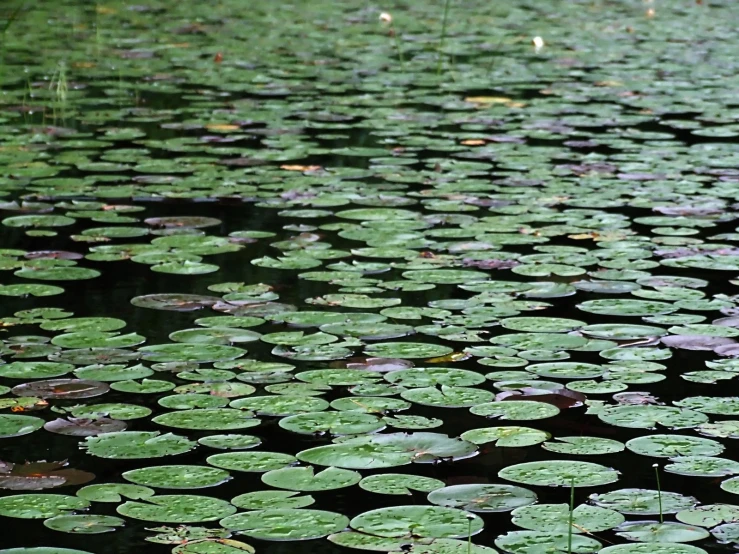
[388,19]
[571,520]
[659,493]
[470,519]
[442,40]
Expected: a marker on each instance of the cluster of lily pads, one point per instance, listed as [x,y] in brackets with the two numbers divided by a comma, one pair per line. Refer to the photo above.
[481,287]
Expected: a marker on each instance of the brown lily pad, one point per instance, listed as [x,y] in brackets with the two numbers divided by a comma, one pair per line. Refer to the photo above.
[83,427]
[40,475]
[62,388]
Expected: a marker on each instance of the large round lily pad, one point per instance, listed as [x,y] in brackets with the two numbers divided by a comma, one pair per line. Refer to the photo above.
[562,473]
[419,521]
[180,508]
[286,524]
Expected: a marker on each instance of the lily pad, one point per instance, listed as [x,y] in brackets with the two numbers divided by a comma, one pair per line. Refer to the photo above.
[561,473]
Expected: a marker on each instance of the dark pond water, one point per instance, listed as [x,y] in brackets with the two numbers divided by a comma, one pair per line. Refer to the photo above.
[369,277]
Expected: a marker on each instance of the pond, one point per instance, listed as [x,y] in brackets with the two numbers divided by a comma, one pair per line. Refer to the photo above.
[430,277]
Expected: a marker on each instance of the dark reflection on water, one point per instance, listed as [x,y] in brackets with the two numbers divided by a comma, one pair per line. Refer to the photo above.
[110,294]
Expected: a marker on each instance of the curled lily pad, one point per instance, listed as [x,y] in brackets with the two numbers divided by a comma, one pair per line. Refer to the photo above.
[727,533]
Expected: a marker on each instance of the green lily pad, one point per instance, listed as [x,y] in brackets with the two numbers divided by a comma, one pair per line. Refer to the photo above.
[304,479]
[643,501]
[483,498]
[531,542]
[40,506]
[668,446]
[13,425]
[129,445]
[447,397]
[177,508]
[648,416]
[87,524]
[251,461]
[560,473]
[516,410]
[407,350]
[420,521]
[333,423]
[653,548]
[114,492]
[270,499]
[281,524]
[506,436]
[584,446]
[555,518]
[654,531]
[388,450]
[702,466]
[399,483]
[710,515]
[185,352]
[210,419]
[34,370]
[177,476]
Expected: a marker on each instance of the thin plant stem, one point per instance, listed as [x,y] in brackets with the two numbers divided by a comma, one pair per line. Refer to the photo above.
[572,516]
[443,35]
[397,44]
[659,493]
[13,16]
[469,533]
